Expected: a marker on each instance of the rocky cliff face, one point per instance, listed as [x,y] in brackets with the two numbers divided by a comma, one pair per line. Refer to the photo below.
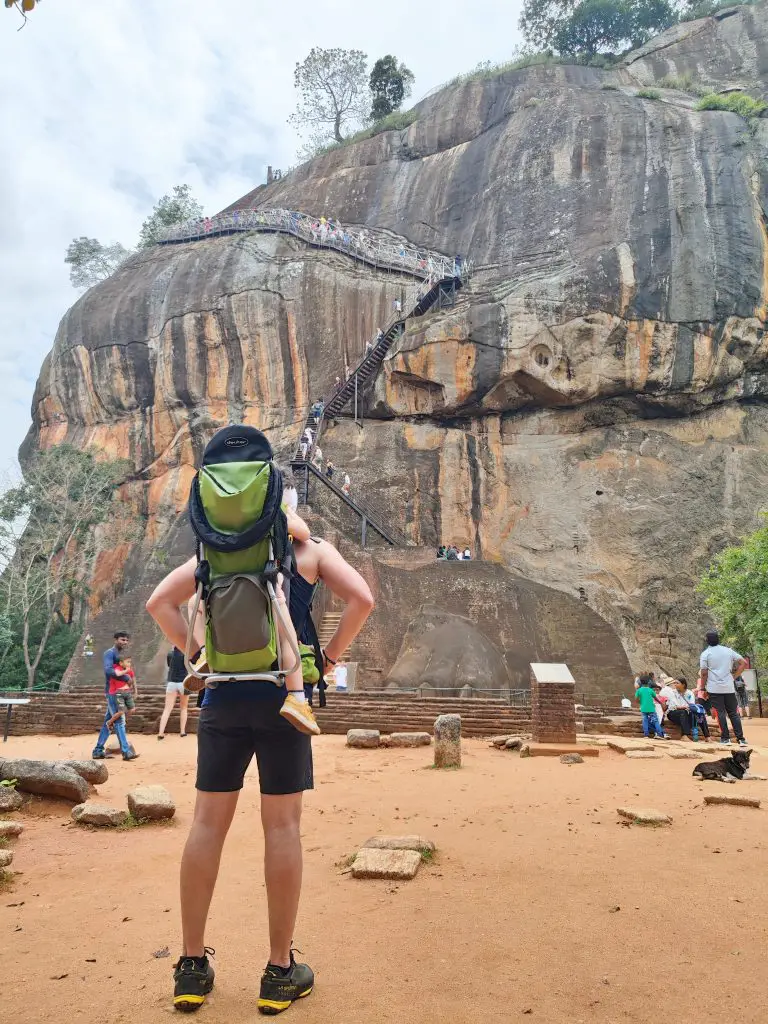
[592,412]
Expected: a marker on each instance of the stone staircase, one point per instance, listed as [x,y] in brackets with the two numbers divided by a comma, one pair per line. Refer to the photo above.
[82,712]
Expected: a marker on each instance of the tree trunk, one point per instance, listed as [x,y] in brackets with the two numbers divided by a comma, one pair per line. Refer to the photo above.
[337,128]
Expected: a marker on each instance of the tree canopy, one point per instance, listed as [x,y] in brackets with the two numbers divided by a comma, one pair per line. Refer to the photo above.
[333,91]
[48,521]
[735,587]
[390,82]
[179,206]
[90,261]
[588,27]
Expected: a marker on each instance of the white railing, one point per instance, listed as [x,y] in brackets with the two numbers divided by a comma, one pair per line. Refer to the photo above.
[365,244]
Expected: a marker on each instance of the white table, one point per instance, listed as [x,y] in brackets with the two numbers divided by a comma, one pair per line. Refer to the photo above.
[11,702]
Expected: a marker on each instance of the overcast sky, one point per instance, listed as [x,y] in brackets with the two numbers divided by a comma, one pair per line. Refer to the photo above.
[106,104]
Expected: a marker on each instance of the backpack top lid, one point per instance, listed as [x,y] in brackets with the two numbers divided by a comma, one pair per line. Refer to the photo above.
[235,498]
[237,443]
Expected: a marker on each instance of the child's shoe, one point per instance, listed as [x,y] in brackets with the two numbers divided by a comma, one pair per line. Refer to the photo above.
[300,715]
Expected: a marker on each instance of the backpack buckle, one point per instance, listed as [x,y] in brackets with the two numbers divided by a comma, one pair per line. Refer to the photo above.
[271,572]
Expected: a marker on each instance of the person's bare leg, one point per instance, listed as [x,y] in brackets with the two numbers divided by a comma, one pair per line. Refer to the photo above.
[281,820]
[183,709]
[200,864]
[170,700]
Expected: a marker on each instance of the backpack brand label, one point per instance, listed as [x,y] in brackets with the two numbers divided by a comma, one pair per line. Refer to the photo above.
[236,442]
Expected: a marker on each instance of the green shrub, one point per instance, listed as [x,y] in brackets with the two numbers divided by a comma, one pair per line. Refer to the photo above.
[609,87]
[736,102]
[648,94]
[683,83]
[396,121]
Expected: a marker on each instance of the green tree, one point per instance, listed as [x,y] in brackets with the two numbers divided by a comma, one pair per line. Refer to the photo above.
[390,83]
[332,88]
[587,27]
[48,520]
[174,209]
[735,587]
[90,261]
[595,25]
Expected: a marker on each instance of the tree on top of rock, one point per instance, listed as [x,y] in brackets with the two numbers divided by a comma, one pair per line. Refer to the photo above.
[169,211]
[90,261]
[333,91]
[588,27]
[390,83]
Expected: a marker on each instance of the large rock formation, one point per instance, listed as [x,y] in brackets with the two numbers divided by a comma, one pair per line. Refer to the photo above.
[592,412]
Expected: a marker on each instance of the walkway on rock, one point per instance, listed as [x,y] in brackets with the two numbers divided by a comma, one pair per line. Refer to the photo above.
[439,277]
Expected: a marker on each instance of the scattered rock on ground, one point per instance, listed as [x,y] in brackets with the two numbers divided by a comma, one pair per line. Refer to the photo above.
[46,778]
[10,829]
[731,798]
[514,743]
[10,800]
[525,750]
[685,755]
[571,759]
[499,741]
[6,858]
[407,739]
[644,755]
[399,865]
[363,739]
[151,803]
[94,813]
[418,843]
[644,816]
[95,772]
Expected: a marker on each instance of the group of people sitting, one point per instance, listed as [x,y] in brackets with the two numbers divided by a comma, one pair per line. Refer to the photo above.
[673,701]
[451,553]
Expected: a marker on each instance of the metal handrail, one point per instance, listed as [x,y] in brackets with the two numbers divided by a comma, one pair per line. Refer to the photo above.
[369,245]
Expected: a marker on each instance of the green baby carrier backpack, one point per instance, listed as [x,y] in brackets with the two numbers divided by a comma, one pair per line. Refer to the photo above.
[235,508]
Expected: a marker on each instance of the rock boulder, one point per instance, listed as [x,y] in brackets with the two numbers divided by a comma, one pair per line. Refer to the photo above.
[364,739]
[397,865]
[46,778]
[419,843]
[10,800]
[95,772]
[10,829]
[93,813]
[6,858]
[151,803]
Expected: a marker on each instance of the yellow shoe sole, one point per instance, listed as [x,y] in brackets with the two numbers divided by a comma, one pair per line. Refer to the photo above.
[188,1004]
[309,728]
[273,1006]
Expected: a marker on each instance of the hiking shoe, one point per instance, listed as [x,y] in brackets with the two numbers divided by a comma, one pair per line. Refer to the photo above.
[100,755]
[131,755]
[743,743]
[724,743]
[193,980]
[192,683]
[300,715]
[280,988]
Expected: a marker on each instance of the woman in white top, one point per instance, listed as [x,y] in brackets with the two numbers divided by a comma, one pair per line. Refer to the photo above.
[678,708]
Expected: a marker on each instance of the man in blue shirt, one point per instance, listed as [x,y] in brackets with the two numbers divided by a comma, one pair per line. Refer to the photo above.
[111,657]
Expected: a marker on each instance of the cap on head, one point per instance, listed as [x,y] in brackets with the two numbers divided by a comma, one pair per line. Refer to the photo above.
[713,638]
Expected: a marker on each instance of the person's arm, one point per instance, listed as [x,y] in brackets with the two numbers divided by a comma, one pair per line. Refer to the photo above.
[739,666]
[704,670]
[109,664]
[165,603]
[297,528]
[350,587]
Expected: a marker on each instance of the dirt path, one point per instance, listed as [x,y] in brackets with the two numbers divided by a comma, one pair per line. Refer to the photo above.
[515,919]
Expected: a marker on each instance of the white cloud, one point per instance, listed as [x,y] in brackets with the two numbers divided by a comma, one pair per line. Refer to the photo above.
[109,103]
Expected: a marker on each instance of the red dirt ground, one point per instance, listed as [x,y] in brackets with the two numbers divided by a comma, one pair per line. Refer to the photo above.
[516,918]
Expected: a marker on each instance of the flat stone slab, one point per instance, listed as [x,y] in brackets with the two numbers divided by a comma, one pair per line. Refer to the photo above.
[10,829]
[397,865]
[643,816]
[6,858]
[732,798]
[418,843]
[624,746]
[557,749]
[151,803]
[644,755]
[364,739]
[94,813]
[685,755]
[406,739]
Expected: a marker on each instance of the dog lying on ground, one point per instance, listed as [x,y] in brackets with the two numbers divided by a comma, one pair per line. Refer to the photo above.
[727,769]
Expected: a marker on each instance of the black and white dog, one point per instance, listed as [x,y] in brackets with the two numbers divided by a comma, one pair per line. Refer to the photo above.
[727,769]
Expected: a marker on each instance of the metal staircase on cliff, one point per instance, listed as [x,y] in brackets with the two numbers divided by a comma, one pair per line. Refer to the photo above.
[439,278]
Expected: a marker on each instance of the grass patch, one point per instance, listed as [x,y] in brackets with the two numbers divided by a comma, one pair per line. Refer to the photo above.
[740,103]
[447,768]
[427,855]
[129,823]
[4,841]
[346,862]
[6,880]
[9,783]
[683,83]
[648,94]
[398,120]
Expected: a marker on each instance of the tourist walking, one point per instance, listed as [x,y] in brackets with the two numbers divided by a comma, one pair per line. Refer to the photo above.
[718,665]
[347,485]
[174,690]
[329,469]
[742,697]
[111,662]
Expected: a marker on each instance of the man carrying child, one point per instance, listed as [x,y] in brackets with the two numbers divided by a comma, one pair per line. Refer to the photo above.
[114,718]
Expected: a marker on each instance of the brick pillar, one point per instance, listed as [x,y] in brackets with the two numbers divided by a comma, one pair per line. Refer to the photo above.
[552,704]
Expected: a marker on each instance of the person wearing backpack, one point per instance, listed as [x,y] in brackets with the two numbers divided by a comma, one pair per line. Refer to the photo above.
[243,716]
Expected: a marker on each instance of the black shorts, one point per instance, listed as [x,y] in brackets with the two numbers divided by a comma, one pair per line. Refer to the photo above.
[231,730]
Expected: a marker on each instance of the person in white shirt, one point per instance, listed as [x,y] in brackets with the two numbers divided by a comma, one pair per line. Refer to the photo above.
[678,708]
[719,664]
